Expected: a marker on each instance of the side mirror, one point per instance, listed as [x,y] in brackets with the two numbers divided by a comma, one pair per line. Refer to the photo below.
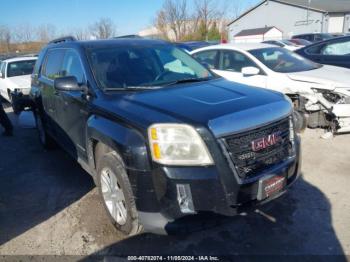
[67,83]
[250,71]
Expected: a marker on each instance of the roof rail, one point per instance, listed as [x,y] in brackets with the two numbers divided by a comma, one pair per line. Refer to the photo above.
[63,39]
[127,36]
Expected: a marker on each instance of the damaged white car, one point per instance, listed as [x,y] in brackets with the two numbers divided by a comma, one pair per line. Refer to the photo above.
[320,93]
[15,77]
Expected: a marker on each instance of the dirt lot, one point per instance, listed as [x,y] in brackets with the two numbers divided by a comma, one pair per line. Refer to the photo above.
[48,206]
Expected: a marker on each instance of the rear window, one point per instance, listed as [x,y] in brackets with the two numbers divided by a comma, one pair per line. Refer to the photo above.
[20,68]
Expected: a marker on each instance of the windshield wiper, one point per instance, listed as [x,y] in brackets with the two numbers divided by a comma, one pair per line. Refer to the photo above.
[127,88]
[187,80]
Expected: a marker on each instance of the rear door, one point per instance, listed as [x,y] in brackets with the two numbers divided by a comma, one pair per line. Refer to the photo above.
[71,107]
[50,71]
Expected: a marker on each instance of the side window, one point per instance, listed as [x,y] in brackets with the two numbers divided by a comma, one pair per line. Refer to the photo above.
[314,50]
[53,63]
[72,66]
[38,63]
[338,48]
[207,58]
[318,38]
[306,37]
[234,61]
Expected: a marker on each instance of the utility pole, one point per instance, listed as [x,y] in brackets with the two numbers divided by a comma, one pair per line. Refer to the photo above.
[308,12]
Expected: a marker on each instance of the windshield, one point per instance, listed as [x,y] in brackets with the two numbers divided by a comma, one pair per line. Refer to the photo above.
[20,68]
[283,61]
[143,66]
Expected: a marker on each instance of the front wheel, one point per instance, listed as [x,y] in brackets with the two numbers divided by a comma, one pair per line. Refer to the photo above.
[45,139]
[116,194]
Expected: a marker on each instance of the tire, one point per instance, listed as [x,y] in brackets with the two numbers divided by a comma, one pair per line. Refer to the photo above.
[45,139]
[15,108]
[116,194]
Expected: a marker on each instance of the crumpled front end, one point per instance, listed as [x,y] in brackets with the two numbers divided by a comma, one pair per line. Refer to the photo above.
[329,109]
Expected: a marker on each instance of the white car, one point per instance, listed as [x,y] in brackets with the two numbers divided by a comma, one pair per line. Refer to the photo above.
[320,92]
[283,43]
[15,76]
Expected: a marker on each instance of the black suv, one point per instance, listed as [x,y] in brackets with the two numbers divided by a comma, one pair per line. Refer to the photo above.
[162,136]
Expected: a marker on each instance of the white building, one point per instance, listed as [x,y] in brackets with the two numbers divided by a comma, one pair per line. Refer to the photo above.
[258,35]
[294,17]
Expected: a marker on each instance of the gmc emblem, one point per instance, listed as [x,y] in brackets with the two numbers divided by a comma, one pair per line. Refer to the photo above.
[265,142]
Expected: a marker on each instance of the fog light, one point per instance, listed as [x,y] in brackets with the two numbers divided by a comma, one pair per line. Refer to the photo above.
[184,198]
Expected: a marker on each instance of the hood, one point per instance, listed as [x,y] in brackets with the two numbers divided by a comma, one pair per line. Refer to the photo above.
[20,81]
[328,77]
[223,106]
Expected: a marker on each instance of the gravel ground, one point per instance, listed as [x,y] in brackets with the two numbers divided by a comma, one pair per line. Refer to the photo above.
[49,206]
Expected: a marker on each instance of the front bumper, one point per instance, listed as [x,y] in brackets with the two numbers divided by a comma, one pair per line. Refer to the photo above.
[213,190]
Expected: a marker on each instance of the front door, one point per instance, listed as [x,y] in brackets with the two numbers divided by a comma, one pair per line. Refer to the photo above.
[230,67]
[72,106]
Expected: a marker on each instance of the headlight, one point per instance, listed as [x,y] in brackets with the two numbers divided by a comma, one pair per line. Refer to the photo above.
[333,97]
[178,144]
[298,122]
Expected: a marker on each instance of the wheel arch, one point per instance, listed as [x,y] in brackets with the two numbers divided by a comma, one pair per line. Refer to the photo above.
[106,136]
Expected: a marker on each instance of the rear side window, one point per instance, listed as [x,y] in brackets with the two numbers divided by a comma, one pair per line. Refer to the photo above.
[53,63]
[72,66]
[207,58]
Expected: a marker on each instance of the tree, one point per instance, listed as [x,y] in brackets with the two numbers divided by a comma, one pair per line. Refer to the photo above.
[81,34]
[5,38]
[23,33]
[214,33]
[46,32]
[103,29]
[173,17]
[161,24]
[208,12]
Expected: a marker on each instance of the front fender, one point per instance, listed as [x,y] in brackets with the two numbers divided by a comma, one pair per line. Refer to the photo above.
[128,142]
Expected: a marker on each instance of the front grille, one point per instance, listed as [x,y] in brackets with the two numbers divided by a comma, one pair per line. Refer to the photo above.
[248,162]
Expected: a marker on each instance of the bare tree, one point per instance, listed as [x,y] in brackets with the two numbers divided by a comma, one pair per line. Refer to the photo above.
[207,13]
[5,38]
[81,33]
[23,33]
[173,17]
[46,32]
[103,29]
[161,24]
